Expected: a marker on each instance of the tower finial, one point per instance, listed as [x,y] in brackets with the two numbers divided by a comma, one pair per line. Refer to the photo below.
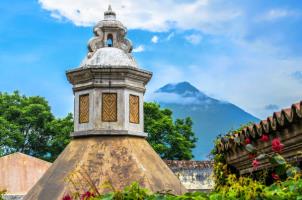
[109,14]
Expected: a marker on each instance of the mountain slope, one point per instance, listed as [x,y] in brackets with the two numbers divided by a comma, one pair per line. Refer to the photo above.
[211,117]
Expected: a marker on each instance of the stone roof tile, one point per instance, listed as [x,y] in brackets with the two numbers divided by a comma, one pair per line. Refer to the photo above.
[278,121]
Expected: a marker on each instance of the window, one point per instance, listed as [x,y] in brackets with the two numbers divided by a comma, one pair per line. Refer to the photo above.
[134,109]
[84,108]
[109,40]
[109,107]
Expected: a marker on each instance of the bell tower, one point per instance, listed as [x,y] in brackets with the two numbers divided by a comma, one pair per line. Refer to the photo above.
[108,143]
[108,86]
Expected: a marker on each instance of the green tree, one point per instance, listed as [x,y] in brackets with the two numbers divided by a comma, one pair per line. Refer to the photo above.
[170,139]
[60,130]
[28,126]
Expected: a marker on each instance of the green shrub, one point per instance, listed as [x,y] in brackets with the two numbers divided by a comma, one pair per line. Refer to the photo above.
[2,192]
[242,188]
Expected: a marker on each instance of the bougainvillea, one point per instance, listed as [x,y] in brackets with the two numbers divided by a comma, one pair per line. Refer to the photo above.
[87,195]
[275,176]
[255,164]
[264,138]
[277,146]
[235,188]
[251,156]
[283,168]
[247,141]
[67,197]
[279,169]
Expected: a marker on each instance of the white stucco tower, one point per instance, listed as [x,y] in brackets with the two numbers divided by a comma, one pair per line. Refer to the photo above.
[108,86]
[108,143]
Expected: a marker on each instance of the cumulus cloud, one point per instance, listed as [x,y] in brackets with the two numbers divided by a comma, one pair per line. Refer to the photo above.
[164,97]
[251,73]
[278,13]
[194,38]
[154,39]
[249,83]
[139,49]
[148,15]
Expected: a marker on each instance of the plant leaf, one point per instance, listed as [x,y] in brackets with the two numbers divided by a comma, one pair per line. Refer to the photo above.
[250,148]
[261,156]
[292,171]
[279,159]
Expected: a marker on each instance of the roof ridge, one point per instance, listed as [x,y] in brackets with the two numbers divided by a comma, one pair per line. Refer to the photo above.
[272,123]
[25,155]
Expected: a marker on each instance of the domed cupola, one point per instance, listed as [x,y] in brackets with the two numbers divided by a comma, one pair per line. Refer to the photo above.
[109,33]
[109,47]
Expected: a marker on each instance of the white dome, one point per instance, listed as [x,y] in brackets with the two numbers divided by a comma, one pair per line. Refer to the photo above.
[110,57]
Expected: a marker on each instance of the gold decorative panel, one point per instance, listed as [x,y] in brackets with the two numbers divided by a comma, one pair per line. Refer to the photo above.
[109,107]
[84,108]
[134,109]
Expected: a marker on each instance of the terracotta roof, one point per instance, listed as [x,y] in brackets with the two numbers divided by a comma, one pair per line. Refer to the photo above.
[19,172]
[278,121]
[189,164]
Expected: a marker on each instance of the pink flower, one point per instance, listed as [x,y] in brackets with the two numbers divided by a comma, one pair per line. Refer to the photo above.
[251,156]
[275,176]
[277,146]
[247,141]
[87,195]
[67,197]
[264,138]
[255,163]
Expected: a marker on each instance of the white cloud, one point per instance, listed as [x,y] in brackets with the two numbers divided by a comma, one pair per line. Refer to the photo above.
[277,13]
[171,98]
[256,77]
[154,39]
[139,49]
[148,15]
[194,38]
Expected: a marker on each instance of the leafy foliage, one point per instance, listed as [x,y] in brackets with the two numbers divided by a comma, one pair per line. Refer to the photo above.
[172,140]
[2,192]
[280,168]
[28,126]
[242,188]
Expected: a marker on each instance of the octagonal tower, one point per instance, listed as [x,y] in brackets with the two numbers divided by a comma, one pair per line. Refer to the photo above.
[108,143]
[109,86]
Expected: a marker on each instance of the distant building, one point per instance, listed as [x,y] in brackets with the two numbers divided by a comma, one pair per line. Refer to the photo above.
[194,175]
[19,173]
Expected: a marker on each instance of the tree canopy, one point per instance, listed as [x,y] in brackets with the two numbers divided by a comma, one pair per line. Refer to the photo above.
[172,140]
[27,125]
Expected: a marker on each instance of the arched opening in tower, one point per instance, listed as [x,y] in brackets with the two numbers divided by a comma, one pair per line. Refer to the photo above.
[109,40]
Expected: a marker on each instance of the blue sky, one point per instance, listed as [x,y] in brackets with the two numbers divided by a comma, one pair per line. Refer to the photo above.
[245,52]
